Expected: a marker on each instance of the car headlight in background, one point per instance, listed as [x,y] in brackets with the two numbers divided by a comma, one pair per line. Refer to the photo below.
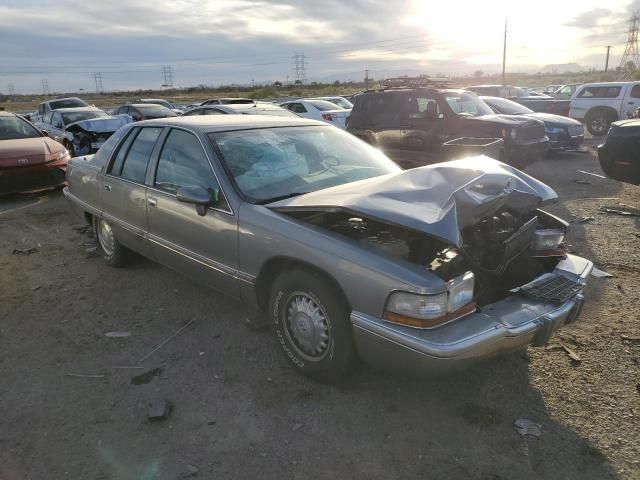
[548,239]
[428,311]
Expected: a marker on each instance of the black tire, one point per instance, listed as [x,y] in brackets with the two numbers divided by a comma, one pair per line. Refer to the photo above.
[320,346]
[598,122]
[111,250]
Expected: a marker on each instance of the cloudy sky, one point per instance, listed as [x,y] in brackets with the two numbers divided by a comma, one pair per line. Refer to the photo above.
[217,42]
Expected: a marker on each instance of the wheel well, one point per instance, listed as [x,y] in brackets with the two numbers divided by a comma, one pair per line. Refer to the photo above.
[610,111]
[274,266]
[88,217]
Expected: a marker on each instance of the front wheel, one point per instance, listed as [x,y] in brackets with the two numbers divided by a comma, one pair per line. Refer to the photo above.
[311,322]
[108,245]
[598,123]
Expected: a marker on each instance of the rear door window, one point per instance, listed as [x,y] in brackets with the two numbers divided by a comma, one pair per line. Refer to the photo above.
[600,92]
[135,157]
[635,91]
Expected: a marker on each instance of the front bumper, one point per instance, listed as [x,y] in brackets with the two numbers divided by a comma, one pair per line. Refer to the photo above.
[522,154]
[36,177]
[509,324]
[565,142]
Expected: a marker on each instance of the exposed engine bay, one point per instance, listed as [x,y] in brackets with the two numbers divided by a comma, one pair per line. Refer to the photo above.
[504,250]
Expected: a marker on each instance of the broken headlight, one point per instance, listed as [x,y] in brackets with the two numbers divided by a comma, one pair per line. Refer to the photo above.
[428,311]
[548,239]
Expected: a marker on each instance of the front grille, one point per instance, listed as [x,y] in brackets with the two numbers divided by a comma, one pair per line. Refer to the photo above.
[552,287]
[576,130]
[531,132]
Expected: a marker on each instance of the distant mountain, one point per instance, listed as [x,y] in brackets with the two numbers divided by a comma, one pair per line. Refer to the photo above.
[563,68]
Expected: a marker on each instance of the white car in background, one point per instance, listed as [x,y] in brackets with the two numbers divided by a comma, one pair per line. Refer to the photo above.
[319,110]
[339,101]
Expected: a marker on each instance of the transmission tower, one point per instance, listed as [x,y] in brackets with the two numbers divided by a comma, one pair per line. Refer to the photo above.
[167,73]
[97,76]
[631,52]
[300,67]
[45,86]
[12,89]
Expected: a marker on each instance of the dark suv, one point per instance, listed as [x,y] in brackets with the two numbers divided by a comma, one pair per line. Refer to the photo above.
[411,125]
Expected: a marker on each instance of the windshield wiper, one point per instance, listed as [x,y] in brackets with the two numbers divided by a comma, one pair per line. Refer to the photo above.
[281,197]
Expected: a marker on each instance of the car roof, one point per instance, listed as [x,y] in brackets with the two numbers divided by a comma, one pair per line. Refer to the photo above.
[63,98]
[143,105]
[6,114]
[609,84]
[78,109]
[224,123]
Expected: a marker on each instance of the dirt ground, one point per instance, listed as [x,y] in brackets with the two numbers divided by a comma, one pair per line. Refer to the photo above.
[240,412]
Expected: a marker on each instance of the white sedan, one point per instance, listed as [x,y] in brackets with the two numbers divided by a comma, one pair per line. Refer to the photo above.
[318,110]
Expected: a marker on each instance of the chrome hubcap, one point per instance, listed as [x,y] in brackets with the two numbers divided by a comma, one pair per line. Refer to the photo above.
[307,326]
[106,238]
[599,125]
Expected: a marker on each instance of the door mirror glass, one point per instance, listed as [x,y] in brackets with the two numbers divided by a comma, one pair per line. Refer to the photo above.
[199,196]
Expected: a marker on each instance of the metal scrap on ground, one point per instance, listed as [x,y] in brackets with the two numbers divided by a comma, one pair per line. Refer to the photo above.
[622,210]
[167,340]
[526,427]
[596,272]
[572,354]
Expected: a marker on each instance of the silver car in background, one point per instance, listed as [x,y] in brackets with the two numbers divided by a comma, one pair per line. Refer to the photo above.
[346,253]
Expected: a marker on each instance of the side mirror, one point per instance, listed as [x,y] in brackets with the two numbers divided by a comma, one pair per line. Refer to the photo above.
[199,196]
[45,132]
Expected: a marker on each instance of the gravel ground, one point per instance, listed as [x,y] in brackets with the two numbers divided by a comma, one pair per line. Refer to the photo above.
[241,412]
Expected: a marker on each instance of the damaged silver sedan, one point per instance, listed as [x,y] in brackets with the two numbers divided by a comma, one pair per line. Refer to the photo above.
[347,254]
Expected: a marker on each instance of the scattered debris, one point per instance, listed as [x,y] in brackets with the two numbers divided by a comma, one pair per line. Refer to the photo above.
[129,368]
[621,266]
[82,229]
[146,377]
[553,346]
[80,375]
[212,422]
[117,334]
[527,427]
[24,251]
[572,354]
[37,287]
[590,173]
[584,220]
[192,471]
[167,340]
[630,339]
[596,272]
[619,287]
[582,182]
[629,211]
[91,252]
[297,427]
[159,410]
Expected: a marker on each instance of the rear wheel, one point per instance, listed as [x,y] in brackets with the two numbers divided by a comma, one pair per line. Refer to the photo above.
[311,322]
[111,250]
[598,122]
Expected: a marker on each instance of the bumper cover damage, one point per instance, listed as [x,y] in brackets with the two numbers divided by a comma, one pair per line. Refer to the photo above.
[509,324]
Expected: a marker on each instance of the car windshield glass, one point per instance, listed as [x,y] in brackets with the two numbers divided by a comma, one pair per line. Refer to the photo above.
[14,128]
[154,110]
[467,104]
[67,103]
[273,163]
[341,102]
[502,105]
[72,117]
[164,103]
[324,106]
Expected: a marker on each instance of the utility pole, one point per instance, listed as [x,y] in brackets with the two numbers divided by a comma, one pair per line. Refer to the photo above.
[167,73]
[12,89]
[45,86]
[366,79]
[299,66]
[97,77]
[631,53]
[606,63]
[504,55]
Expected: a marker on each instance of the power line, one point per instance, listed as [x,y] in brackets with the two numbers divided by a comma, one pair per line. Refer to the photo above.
[631,57]
[300,67]
[45,86]
[12,89]
[167,73]
[97,76]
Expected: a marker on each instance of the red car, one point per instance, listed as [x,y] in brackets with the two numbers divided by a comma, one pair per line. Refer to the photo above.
[29,160]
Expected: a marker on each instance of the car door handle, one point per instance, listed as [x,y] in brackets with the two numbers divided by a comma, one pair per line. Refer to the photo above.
[153,203]
[107,187]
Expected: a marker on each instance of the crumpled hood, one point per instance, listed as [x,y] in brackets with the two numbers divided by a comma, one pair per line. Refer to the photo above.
[551,118]
[504,120]
[101,125]
[439,200]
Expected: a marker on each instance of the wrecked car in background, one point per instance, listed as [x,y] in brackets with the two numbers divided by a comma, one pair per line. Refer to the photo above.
[424,269]
[82,130]
[56,104]
[28,159]
[619,155]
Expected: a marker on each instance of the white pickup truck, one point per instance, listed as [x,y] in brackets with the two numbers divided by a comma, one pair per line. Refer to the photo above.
[600,104]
